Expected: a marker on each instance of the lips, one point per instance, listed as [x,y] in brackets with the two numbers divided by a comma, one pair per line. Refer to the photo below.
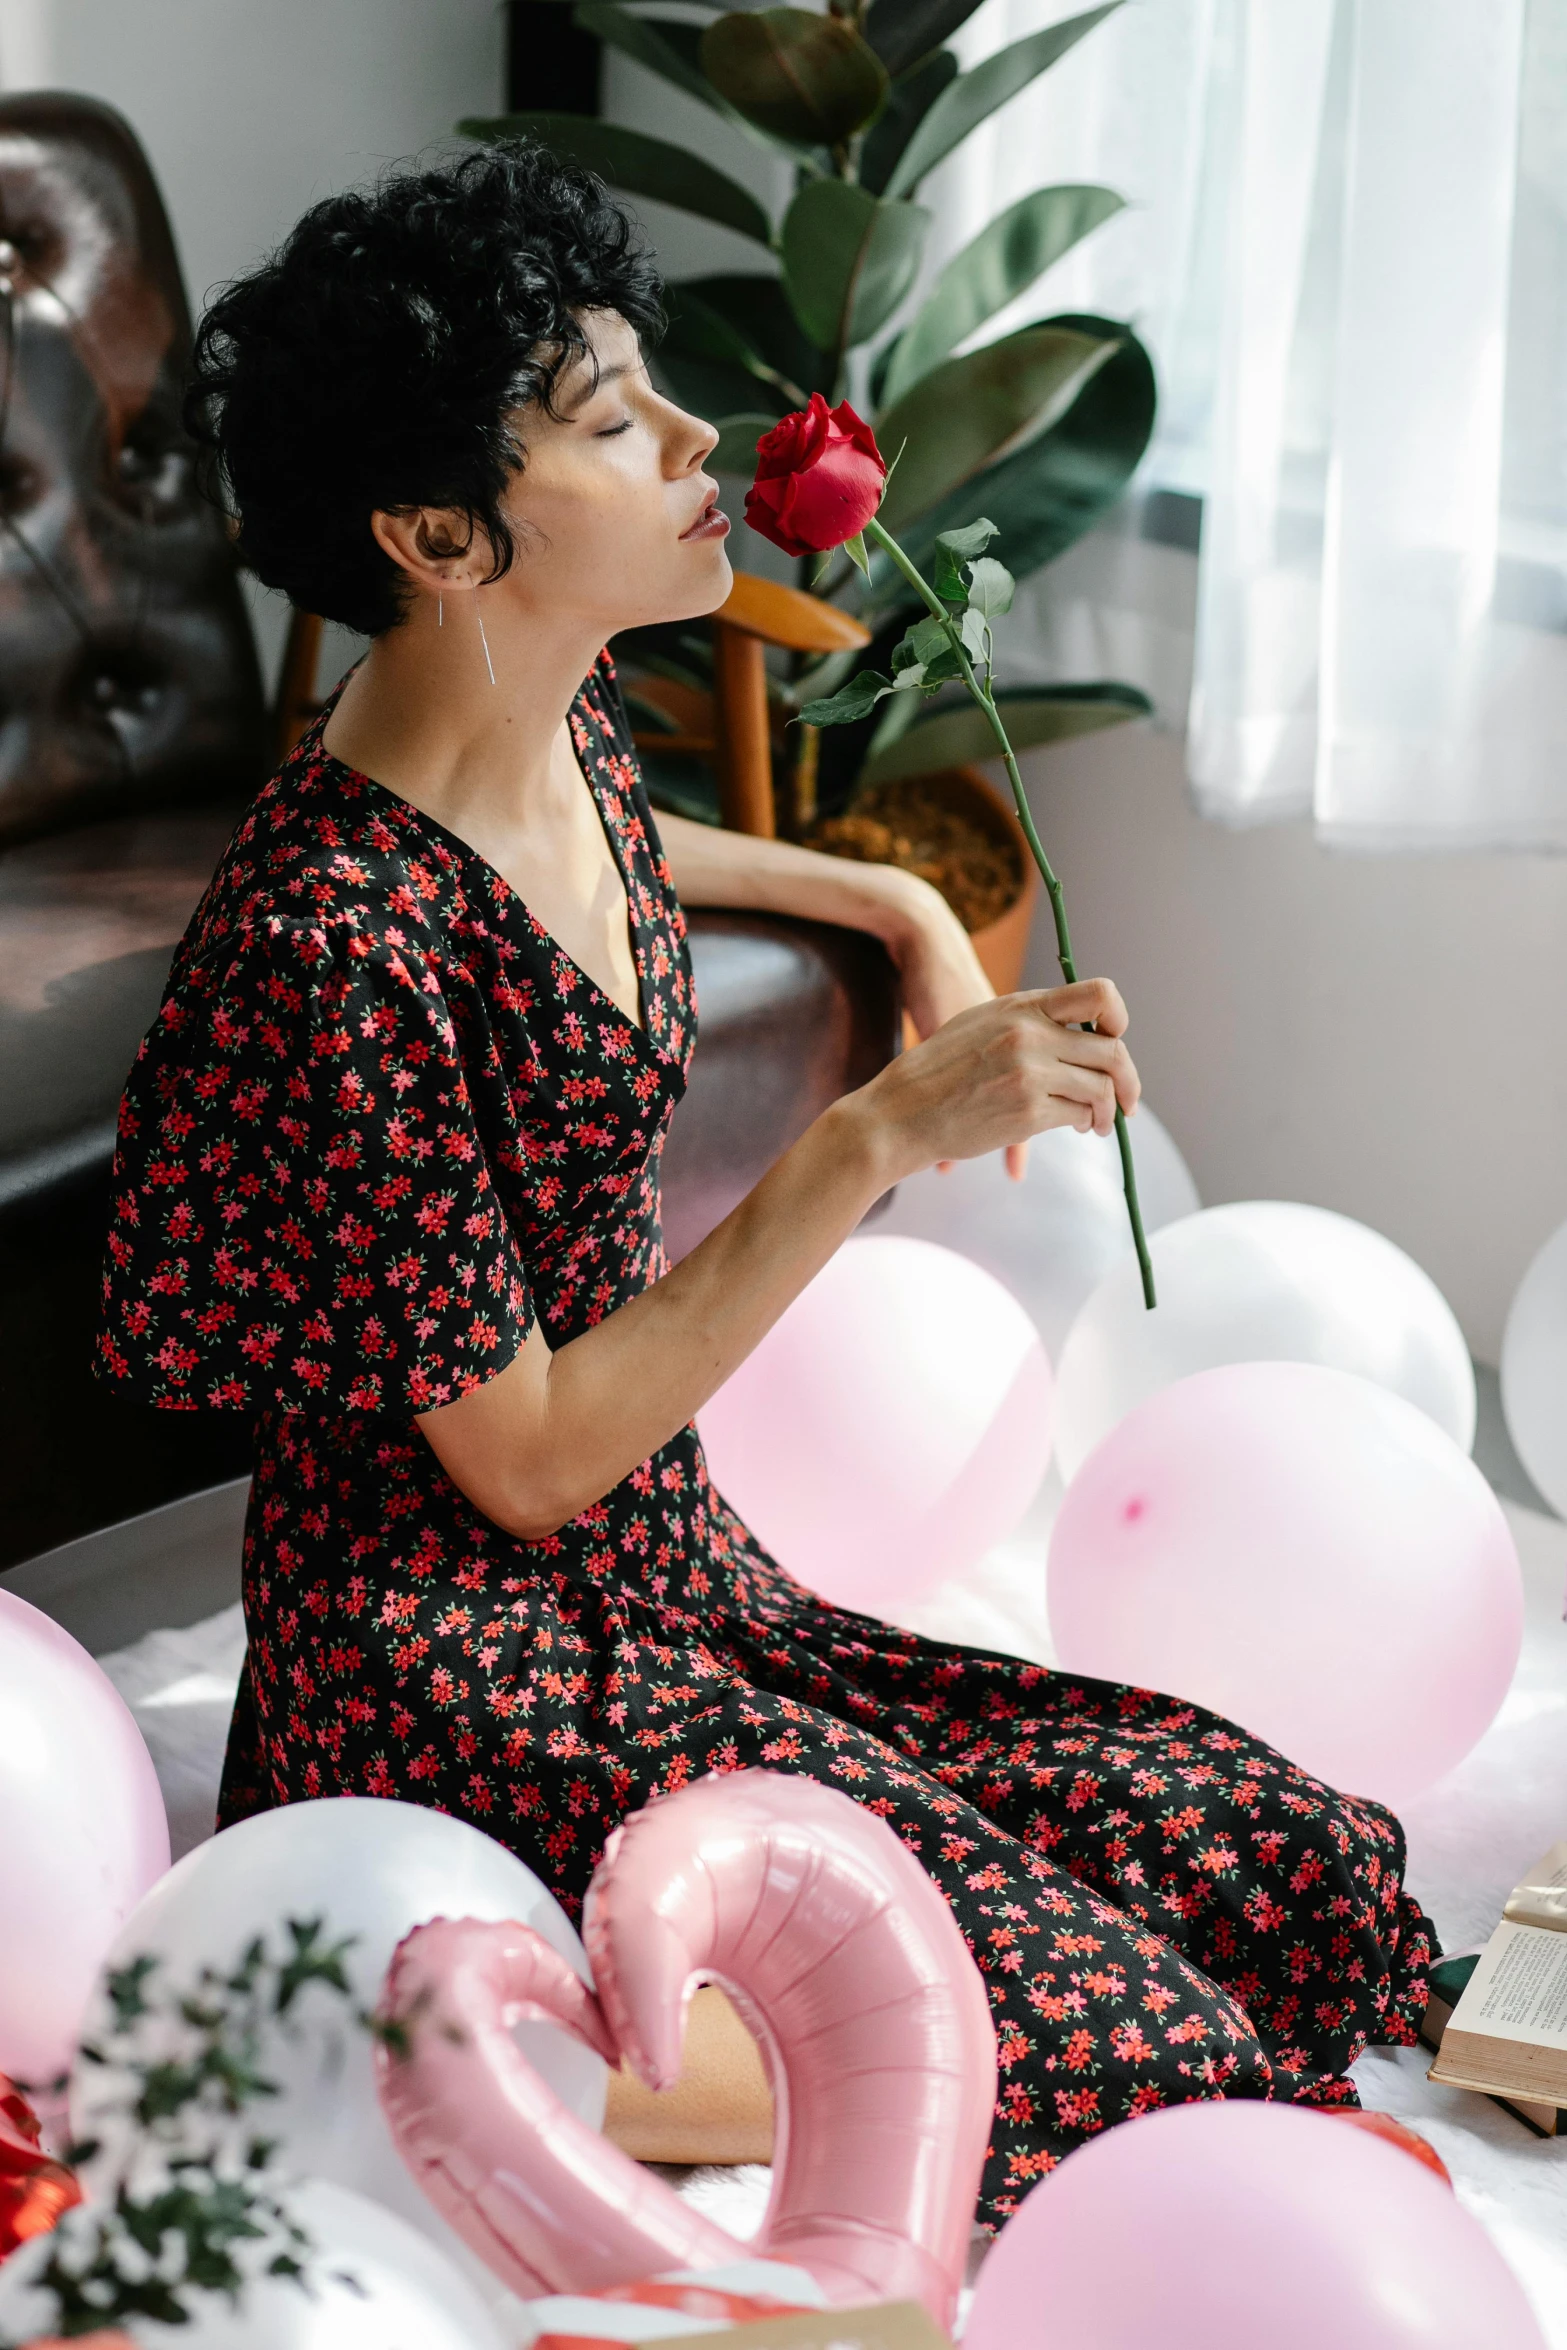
[711,523]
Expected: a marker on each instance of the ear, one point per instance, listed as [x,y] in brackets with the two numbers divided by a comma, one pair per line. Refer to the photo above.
[435,547]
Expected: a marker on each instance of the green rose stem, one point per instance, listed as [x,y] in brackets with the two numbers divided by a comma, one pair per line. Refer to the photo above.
[986,701]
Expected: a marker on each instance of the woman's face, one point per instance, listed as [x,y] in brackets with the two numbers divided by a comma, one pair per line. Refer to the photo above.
[616,521]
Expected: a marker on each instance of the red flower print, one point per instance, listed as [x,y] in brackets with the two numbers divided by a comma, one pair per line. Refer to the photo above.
[383,1125]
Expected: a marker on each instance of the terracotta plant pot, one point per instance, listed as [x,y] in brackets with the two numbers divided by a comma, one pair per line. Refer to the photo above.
[1002,946]
[902,807]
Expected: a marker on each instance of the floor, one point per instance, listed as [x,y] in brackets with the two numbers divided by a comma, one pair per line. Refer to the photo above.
[1470,1839]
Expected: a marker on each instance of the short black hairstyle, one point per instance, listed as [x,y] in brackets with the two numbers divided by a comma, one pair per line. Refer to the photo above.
[372,361]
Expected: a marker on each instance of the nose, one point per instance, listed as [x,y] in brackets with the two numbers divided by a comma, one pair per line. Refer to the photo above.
[695,440]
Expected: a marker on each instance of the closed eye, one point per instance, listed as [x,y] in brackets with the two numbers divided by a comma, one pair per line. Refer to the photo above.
[612,430]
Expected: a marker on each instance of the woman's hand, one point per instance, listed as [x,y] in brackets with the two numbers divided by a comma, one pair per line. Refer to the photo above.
[939,973]
[1000,1071]
[938,970]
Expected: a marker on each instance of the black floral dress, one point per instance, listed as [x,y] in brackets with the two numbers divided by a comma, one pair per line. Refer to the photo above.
[382,1126]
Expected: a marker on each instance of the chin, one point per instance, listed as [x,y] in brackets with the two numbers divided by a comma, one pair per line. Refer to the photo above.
[709,588]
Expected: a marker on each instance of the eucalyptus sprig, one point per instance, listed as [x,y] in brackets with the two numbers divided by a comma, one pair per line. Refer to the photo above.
[197,2199]
[952,644]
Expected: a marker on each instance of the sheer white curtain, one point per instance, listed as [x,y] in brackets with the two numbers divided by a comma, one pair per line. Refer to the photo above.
[1347,248]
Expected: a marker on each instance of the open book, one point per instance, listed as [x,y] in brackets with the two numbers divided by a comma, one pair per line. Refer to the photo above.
[1504,2029]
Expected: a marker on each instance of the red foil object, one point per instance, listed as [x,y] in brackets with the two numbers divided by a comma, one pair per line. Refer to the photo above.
[1396,2133]
[34,2189]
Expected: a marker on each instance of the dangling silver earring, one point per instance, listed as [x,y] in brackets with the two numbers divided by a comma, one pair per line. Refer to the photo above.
[485,642]
[440,611]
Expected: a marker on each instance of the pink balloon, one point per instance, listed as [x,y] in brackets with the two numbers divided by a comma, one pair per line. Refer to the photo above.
[1305,1552]
[846,1961]
[891,1427]
[1234,2226]
[82,1835]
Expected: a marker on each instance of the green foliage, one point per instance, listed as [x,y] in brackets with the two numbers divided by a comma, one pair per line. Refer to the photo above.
[1033,715]
[757,311]
[936,649]
[631,160]
[195,2187]
[848,260]
[737,439]
[908,102]
[991,587]
[963,415]
[1044,425]
[710,333]
[903,33]
[857,699]
[804,77]
[1003,261]
[1053,485]
[975,96]
[669,49]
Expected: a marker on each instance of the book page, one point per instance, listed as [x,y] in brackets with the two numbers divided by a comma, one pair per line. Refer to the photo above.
[1519,1989]
[1541,1899]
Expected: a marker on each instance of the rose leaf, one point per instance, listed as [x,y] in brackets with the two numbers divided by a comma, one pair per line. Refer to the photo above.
[991,587]
[855,700]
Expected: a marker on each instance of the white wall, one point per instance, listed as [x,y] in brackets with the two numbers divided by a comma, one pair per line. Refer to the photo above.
[250,110]
[1380,1035]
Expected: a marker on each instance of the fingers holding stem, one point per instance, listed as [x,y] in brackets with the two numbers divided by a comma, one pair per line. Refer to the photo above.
[982,695]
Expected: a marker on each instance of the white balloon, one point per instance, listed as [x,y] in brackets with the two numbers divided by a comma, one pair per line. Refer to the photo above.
[371,1868]
[1262,1281]
[1054,1236]
[375,2284]
[1534,1371]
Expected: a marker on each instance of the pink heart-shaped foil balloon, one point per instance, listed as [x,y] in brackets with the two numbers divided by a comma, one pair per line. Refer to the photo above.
[846,1962]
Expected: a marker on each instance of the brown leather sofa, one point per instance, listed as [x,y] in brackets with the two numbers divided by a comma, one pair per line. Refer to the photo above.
[132,729]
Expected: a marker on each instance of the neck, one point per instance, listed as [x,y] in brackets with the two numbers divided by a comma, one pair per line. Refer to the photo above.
[421,715]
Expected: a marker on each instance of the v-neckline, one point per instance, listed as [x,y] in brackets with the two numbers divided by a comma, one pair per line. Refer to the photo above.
[639,1023]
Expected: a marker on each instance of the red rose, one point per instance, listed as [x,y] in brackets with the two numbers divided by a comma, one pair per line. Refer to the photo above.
[819,479]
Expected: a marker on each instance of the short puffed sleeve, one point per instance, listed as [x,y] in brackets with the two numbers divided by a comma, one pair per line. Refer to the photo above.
[303,1213]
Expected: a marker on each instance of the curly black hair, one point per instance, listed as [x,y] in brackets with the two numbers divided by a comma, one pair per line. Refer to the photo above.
[373,362]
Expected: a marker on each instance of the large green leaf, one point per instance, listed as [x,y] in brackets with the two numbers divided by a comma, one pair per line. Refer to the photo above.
[973,96]
[904,32]
[1050,491]
[633,161]
[668,47]
[649,42]
[714,388]
[848,259]
[757,310]
[707,330]
[959,736]
[737,439]
[967,413]
[1006,257]
[802,76]
[908,103]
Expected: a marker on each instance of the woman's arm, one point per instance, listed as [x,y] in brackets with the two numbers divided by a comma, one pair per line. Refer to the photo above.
[554,1431]
[937,967]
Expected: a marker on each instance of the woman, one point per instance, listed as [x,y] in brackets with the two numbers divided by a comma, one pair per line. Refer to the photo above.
[388,1181]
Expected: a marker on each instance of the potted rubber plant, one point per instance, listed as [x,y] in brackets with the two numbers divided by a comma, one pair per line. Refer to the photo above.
[1043,423]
